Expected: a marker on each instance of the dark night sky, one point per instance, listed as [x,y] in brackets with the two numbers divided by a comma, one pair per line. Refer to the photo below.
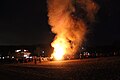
[24,22]
[106,30]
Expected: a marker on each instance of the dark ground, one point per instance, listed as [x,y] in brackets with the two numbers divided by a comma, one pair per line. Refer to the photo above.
[86,69]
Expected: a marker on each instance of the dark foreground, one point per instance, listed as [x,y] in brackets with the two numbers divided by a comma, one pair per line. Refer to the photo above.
[87,69]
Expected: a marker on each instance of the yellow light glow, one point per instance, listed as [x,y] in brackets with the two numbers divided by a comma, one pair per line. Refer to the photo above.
[58,52]
[59,49]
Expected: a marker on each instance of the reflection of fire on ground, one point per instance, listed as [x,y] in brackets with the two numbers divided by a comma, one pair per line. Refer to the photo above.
[68,20]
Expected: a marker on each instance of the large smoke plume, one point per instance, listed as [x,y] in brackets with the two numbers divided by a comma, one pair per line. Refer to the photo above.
[69,20]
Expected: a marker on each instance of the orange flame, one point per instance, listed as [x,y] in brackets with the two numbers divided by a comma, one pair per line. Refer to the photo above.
[60,48]
[68,20]
[59,51]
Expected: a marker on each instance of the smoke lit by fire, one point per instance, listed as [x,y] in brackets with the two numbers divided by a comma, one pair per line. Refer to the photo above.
[69,20]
